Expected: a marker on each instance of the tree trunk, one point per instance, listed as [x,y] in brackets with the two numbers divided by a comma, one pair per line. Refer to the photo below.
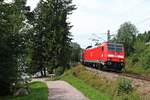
[42,72]
[44,69]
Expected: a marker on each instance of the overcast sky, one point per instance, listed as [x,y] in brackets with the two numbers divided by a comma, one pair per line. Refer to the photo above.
[97,16]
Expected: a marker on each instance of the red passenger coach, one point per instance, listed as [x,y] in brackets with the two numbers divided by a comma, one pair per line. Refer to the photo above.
[106,55]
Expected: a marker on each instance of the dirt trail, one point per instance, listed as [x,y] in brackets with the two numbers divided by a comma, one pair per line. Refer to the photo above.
[61,90]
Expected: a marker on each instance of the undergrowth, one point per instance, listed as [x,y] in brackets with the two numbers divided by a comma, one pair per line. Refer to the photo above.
[138,70]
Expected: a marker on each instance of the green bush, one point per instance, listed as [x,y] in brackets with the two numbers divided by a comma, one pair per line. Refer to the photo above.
[59,71]
[145,58]
[124,86]
[135,59]
[139,63]
[50,70]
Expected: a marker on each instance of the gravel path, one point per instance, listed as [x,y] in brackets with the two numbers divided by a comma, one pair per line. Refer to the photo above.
[61,90]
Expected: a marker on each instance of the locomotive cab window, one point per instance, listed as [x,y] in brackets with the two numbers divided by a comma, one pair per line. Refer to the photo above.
[115,47]
[119,48]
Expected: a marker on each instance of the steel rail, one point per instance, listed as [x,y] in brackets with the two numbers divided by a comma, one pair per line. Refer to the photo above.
[126,74]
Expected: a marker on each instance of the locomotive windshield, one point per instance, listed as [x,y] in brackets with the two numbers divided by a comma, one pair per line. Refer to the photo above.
[115,47]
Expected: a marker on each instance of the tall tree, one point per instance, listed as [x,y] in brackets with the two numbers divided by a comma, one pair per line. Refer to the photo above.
[126,35]
[75,52]
[52,36]
[12,17]
[62,9]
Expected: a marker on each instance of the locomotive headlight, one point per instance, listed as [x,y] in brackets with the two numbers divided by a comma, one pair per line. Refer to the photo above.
[122,60]
[111,55]
[120,56]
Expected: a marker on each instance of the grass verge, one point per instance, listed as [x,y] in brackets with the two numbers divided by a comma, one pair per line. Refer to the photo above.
[39,91]
[97,87]
[138,70]
[89,91]
[137,67]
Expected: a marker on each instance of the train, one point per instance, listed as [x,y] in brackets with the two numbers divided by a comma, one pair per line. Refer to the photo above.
[105,56]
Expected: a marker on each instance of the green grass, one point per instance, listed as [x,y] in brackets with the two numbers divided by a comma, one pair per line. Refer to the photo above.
[87,90]
[138,67]
[95,86]
[138,70]
[39,91]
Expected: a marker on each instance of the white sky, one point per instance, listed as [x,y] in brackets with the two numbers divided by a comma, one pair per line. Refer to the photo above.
[97,16]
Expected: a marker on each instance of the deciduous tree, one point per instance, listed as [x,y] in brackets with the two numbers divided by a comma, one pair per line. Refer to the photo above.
[126,35]
[51,45]
[12,42]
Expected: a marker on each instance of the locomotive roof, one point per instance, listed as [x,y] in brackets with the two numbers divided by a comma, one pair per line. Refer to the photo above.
[102,44]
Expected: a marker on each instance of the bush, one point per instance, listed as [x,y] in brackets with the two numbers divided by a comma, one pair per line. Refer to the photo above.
[141,55]
[50,70]
[135,59]
[59,71]
[139,63]
[145,59]
[124,86]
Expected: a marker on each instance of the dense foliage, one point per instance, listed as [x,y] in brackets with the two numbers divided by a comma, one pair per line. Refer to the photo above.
[33,41]
[51,39]
[75,52]
[12,42]
[139,61]
[126,35]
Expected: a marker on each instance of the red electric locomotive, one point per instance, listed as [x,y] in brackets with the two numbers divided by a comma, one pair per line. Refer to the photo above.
[105,56]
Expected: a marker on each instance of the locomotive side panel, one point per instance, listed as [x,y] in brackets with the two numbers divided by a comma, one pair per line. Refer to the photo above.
[96,55]
[92,54]
[109,55]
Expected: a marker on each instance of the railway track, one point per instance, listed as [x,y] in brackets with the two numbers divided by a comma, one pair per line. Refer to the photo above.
[126,74]
[136,76]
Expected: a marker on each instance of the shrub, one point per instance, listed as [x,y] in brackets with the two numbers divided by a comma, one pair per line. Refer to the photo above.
[124,86]
[59,71]
[50,70]
[146,59]
[135,59]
